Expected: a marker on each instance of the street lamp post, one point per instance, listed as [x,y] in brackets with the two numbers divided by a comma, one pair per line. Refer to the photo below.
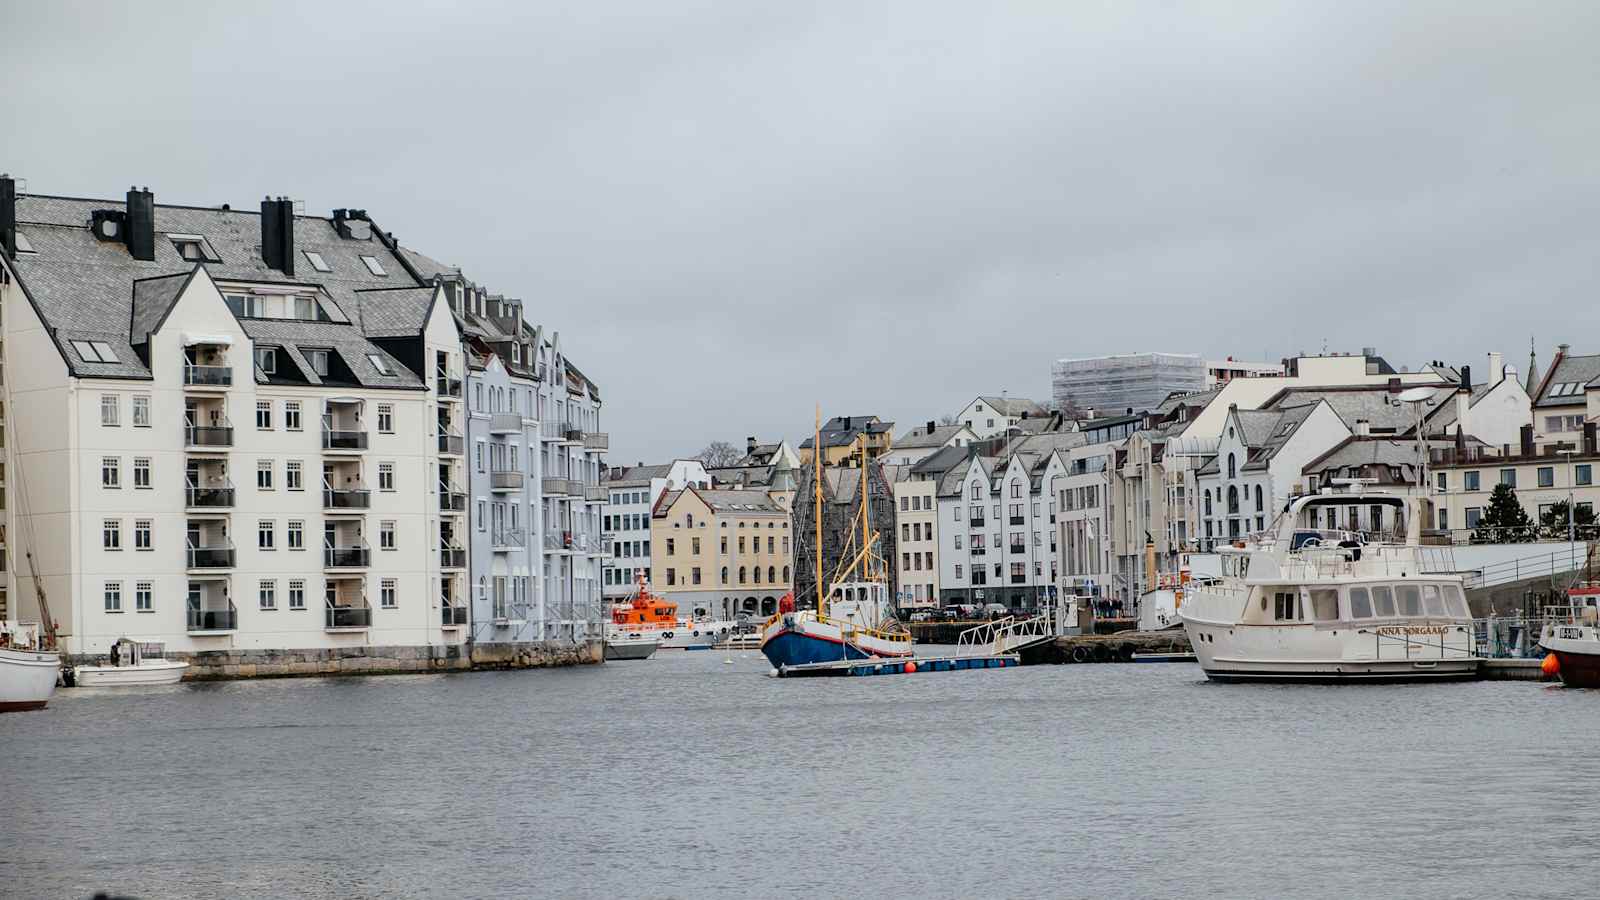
[1569,453]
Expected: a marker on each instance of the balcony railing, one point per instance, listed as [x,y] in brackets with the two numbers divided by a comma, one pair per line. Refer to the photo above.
[556,487]
[214,619]
[976,521]
[506,480]
[348,616]
[978,551]
[1019,548]
[452,444]
[572,433]
[209,497]
[558,540]
[333,439]
[1016,520]
[550,431]
[452,558]
[452,616]
[354,498]
[597,440]
[505,423]
[207,376]
[510,538]
[355,557]
[218,557]
[208,435]
[595,493]
[451,500]
[447,386]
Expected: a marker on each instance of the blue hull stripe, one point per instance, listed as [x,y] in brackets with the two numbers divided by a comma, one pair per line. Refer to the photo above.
[794,649]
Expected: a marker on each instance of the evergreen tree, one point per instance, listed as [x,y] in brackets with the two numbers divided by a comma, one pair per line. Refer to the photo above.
[1554,521]
[1504,521]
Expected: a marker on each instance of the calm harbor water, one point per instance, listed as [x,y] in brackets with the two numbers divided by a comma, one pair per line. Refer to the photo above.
[687,776]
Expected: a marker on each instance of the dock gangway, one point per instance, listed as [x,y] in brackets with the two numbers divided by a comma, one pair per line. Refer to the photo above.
[1007,635]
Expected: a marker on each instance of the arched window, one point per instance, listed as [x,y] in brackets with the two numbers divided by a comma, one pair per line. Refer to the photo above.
[1233,500]
[756,573]
[1231,470]
[772,574]
[785,574]
[1208,501]
[724,574]
[688,518]
[741,574]
[1259,506]
[977,492]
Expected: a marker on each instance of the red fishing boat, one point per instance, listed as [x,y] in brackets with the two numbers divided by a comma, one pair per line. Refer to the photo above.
[1572,635]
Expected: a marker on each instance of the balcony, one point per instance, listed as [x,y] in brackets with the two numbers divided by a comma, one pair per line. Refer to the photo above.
[550,431]
[353,499]
[1017,520]
[347,618]
[505,423]
[451,500]
[448,387]
[976,521]
[595,493]
[207,376]
[597,440]
[560,541]
[217,557]
[209,497]
[452,558]
[978,551]
[452,444]
[333,439]
[506,480]
[508,539]
[556,487]
[214,619]
[354,557]
[208,436]
[452,616]
[1019,579]
[1019,548]
[572,434]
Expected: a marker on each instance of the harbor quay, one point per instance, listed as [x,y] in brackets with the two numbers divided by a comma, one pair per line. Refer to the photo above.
[228,665]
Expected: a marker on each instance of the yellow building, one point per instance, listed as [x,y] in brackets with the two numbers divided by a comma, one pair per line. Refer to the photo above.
[722,553]
[843,437]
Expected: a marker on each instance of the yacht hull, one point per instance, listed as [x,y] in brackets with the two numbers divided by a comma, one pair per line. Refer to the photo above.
[799,639]
[149,671]
[27,678]
[622,649]
[1229,652]
[1579,660]
[1235,671]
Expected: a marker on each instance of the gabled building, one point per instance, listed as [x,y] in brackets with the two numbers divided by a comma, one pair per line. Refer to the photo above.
[1567,397]
[844,436]
[721,553]
[634,491]
[1258,467]
[991,416]
[759,454]
[920,443]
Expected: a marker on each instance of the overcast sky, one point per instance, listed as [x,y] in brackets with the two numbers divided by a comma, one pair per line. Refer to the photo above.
[733,210]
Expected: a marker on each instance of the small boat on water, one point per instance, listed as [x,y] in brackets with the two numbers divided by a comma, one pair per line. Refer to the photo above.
[853,619]
[626,645]
[127,665]
[29,667]
[1310,601]
[648,614]
[1572,636]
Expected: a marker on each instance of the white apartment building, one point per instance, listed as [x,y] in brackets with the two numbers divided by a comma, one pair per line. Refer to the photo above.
[1258,466]
[1083,498]
[918,444]
[634,491]
[997,537]
[989,417]
[917,519]
[208,447]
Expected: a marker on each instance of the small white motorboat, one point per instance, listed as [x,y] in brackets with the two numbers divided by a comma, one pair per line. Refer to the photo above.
[28,668]
[127,665]
[623,644]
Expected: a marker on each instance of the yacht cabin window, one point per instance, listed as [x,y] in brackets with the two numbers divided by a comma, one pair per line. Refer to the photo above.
[1431,603]
[1410,600]
[1454,601]
[1324,604]
[1383,601]
[1285,606]
[1360,604]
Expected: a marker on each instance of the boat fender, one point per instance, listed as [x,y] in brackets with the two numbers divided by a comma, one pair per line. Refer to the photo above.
[1551,666]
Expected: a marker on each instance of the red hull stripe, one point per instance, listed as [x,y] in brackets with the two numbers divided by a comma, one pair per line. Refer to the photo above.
[22,705]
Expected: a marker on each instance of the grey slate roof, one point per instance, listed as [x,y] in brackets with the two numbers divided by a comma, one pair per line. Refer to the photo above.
[152,297]
[88,289]
[922,437]
[1585,369]
[940,461]
[1014,406]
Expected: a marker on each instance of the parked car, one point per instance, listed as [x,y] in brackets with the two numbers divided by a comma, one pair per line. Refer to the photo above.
[995,610]
[922,615]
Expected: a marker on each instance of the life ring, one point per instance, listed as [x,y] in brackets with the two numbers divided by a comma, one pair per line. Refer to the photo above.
[667,635]
[697,632]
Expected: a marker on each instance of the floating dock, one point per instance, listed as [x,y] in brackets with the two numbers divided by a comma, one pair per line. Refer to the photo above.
[913,666]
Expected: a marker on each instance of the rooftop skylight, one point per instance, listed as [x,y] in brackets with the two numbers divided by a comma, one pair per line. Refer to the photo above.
[317,262]
[373,265]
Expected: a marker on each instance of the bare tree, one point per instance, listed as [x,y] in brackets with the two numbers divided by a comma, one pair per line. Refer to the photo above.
[947,419]
[719,454]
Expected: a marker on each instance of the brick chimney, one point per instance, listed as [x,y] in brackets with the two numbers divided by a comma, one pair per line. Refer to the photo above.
[139,231]
[277,234]
[749,445]
[8,216]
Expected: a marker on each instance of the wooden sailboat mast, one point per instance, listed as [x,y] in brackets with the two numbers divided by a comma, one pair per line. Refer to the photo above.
[816,468]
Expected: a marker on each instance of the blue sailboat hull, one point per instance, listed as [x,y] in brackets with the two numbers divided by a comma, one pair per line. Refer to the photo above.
[791,648]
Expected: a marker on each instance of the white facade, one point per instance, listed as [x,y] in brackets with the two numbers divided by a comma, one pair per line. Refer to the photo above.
[917,519]
[1241,496]
[988,417]
[1083,497]
[997,540]
[627,522]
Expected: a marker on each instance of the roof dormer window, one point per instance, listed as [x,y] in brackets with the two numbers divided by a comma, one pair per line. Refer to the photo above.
[318,360]
[378,362]
[193,248]
[22,244]
[373,265]
[267,360]
[317,262]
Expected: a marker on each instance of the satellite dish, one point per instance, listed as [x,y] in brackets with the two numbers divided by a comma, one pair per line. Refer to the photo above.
[1416,395]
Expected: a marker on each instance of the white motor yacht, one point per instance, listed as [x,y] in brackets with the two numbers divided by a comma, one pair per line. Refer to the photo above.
[1313,601]
[127,665]
[28,670]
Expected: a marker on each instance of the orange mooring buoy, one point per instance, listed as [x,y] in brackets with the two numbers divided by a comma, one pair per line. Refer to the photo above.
[1551,666]
[911,668]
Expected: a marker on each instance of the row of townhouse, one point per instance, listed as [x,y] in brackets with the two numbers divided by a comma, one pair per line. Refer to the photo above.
[634,492]
[229,429]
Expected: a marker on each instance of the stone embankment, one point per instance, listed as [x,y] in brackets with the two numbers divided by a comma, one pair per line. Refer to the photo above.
[1117,647]
[227,665]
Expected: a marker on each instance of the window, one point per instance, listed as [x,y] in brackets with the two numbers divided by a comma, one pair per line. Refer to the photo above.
[141,472]
[1410,600]
[263,474]
[295,534]
[141,410]
[1360,604]
[113,594]
[905,503]
[110,410]
[672,546]
[141,534]
[291,415]
[1383,602]
[373,265]
[1285,606]
[267,591]
[379,363]
[694,575]
[293,477]
[317,262]
[266,535]
[267,360]
[1583,474]
[1324,604]
[297,594]
[1508,477]
[386,535]
[193,248]
[111,534]
[1469,481]
[263,415]
[143,596]
[1432,603]
[386,476]
[1547,476]
[1443,481]
[1474,516]
[110,472]
[95,351]
[387,594]
[958,570]
[483,515]
[977,492]
[386,418]
[1016,489]
[318,360]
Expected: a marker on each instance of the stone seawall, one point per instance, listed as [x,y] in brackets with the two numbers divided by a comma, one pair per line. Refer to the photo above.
[226,665]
